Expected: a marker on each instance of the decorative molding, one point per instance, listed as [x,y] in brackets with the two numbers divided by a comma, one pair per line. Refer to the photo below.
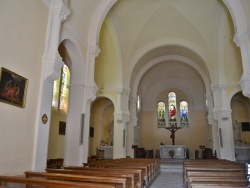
[222,114]
[94,50]
[90,91]
[97,20]
[240,39]
[245,83]
[53,64]
[122,117]
[123,91]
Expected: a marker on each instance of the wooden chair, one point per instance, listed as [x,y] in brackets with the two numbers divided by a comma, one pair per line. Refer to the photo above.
[100,154]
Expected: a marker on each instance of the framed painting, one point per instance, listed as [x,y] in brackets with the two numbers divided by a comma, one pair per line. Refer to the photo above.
[13,88]
[62,127]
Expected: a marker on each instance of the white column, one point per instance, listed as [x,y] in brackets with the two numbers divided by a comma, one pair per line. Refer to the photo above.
[121,117]
[222,113]
[131,127]
[73,147]
[242,41]
[52,64]
[214,139]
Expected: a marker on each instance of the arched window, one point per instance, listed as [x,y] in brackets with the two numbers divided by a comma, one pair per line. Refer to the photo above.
[172,109]
[138,103]
[161,117]
[60,90]
[184,113]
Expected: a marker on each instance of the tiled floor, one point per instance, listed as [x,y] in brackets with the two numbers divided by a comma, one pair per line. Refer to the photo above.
[168,180]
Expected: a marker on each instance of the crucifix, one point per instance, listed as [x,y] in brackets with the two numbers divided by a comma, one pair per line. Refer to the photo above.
[173,130]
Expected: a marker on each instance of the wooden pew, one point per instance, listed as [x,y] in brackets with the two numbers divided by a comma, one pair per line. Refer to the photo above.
[129,177]
[227,179]
[137,172]
[207,169]
[144,173]
[117,182]
[219,184]
[50,183]
[150,167]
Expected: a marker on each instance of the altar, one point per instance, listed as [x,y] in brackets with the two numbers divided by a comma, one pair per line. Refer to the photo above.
[242,152]
[108,151]
[178,150]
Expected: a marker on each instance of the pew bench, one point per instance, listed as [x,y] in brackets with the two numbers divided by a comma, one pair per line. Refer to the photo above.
[137,172]
[228,179]
[207,184]
[129,177]
[117,182]
[50,183]
[213,168]
[145,173]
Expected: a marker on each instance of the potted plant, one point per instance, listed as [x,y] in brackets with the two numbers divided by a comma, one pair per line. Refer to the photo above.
[171,153]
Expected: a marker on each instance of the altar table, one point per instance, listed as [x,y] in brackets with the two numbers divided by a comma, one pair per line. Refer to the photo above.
[179,151]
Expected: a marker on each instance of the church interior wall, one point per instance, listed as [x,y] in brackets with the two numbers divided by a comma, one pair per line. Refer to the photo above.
[106,65]
[101,119]
[56,140]
[240,113]
[232,56]
[22,33]
[81,17]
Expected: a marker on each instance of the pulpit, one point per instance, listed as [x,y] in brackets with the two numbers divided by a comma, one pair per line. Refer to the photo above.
[178,150]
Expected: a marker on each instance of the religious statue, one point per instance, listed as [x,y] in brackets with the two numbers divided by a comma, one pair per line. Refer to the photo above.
[172,130]
[236,130]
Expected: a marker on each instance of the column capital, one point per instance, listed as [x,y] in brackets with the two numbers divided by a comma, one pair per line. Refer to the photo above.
[245,83]
[222,114]
[123,91]
[219,86]
[90,91]
[240,39]
[122,116]
[94,50]
[60,9]
[53,64]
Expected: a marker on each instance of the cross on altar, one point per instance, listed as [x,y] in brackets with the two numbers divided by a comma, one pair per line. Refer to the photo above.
[173,130]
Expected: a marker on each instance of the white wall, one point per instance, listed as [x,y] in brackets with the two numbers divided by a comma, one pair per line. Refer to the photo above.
[22,36]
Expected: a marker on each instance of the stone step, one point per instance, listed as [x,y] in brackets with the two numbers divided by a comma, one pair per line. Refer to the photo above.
[171,165]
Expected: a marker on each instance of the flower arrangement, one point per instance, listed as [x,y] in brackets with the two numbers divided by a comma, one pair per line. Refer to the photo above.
[171,153]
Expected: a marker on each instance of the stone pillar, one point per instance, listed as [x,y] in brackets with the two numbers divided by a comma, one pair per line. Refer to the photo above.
[52,64]
[131,127]
[121,117]
[222,113]
[242,41]
[213,138]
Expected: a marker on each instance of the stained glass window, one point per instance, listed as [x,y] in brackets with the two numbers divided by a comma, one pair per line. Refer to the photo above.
[55,94]
[161,109]
[63,88]
[184,113]
[60,90]
[138,103]
[172,109]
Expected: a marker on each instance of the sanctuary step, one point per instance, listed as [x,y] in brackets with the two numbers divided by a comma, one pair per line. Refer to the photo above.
[171,165]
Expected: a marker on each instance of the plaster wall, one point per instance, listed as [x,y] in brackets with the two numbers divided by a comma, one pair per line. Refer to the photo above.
[56,141]
[106,65]
[241,113]
[22,34]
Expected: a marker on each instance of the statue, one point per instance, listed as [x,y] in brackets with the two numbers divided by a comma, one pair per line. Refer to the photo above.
[236,130]
[173,130]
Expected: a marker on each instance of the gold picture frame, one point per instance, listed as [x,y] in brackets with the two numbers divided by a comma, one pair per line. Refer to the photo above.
[13,88]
